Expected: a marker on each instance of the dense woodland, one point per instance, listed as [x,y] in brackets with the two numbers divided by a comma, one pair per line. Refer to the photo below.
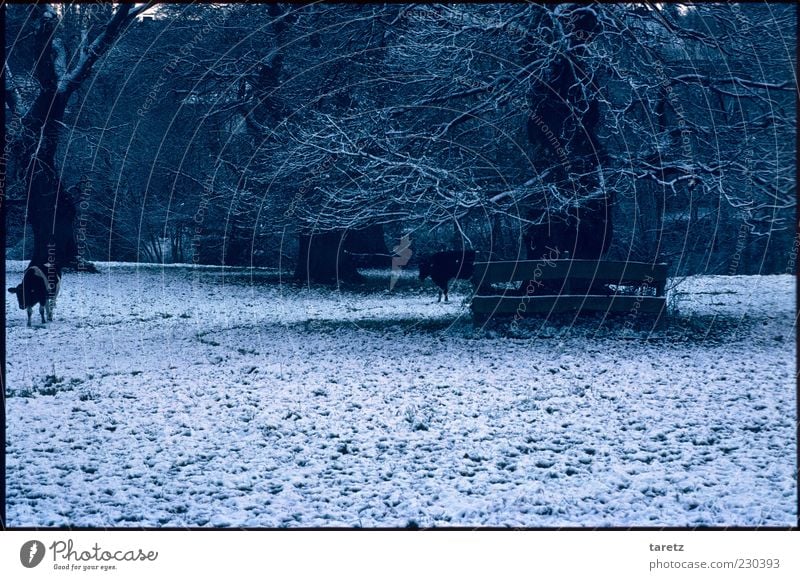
[313,137]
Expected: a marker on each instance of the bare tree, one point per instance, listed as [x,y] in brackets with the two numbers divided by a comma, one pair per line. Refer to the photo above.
[37,116]
[529,125]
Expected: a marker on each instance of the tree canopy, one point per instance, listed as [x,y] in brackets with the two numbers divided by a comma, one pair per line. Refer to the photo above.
[217,132]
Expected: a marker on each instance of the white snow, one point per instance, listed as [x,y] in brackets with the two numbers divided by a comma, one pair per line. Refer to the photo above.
[180,396]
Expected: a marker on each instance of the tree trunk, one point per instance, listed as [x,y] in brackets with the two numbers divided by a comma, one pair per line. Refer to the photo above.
[322,259]
[567,143]
[52,209]
[333,257]
[367,247]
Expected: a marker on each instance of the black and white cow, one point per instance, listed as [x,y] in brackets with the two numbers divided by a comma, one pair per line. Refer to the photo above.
[444,266]
[40,285]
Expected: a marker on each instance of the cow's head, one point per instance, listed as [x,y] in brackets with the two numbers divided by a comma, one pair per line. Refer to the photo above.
[19,291]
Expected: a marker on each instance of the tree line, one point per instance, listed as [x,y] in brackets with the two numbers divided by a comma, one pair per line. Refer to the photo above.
[317,135]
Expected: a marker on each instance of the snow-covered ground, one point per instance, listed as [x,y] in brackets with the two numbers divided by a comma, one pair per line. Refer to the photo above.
[208,397]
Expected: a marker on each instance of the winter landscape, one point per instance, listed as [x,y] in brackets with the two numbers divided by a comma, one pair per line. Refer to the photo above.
[400,265]
[199,398]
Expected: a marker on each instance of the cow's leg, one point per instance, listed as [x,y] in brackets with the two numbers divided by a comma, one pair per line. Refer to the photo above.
[445,292]
[41,313]
[50,305]
[440,296]
[30,312]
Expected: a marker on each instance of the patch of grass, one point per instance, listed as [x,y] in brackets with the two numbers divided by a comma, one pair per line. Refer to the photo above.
[395,326]
[201,336]
[417,423]
[52,379]
[671,327]
[54,384]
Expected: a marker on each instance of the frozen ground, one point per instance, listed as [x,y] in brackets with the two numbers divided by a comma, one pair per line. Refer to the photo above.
[179,397]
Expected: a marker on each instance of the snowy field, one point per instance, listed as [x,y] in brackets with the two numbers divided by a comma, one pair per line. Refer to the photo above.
[207,397]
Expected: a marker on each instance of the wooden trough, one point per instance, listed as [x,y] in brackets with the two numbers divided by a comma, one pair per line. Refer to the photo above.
[554,286]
